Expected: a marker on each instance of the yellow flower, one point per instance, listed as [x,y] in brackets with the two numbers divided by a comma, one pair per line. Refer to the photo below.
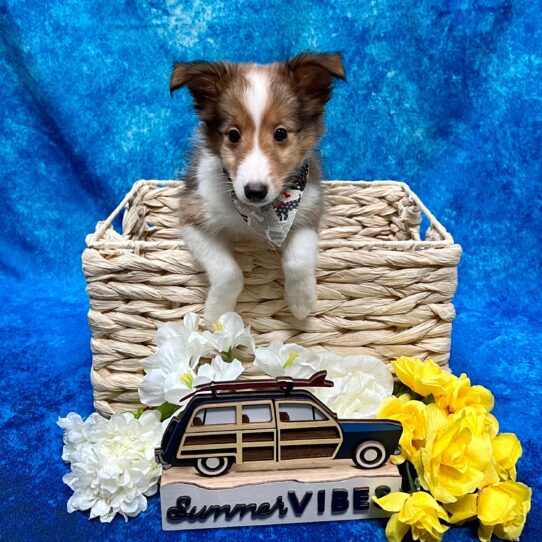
[463,509]
[457,456]
[419,512]
[452,393]
[506,452]
[502,509]
[423,377]
[457,393]
[410,414]
[485,426]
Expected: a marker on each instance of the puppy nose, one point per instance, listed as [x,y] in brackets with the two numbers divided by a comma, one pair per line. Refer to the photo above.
[255,191]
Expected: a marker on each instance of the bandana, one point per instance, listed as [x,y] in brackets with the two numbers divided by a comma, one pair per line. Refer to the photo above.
[275,219]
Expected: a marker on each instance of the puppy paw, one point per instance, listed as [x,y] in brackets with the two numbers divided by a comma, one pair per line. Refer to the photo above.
[215,309]
[300,295]
[222,298]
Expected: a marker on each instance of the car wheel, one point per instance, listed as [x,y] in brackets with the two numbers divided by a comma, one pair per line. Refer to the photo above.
[213,466]
[370,454]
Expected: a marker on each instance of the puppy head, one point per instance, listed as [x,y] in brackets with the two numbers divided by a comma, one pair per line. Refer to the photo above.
[262,121]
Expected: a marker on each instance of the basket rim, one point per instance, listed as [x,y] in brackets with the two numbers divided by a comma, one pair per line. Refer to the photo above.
[95,240]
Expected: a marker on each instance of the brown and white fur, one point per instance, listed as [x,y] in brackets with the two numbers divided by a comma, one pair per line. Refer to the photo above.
[241,107]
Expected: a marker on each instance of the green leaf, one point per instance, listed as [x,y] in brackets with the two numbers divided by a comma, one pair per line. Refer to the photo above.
[167,410]
[412,476]
[228,356]
[399,388]
[138,412]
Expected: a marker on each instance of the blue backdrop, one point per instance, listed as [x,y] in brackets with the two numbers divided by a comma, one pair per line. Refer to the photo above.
[443,94]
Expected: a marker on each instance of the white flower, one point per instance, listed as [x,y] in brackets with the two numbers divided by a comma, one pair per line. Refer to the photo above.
[171,380]
[219,371]
[75,432]
[187,330]
[175,369]
[361,383]
[178,347]
[176,377]
[174,340]
[226,370]
[112,463]
[228,333]
[286,359]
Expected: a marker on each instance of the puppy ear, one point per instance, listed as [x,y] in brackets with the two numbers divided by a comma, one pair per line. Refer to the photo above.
[312,75]
[205,81]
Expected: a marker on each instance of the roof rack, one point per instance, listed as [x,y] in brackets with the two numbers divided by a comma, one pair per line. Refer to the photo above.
[283,383]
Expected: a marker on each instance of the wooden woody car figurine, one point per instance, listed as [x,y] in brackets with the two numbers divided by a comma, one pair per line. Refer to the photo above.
[270,420]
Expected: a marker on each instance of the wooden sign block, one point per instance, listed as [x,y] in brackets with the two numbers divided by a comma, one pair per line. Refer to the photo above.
[245,496]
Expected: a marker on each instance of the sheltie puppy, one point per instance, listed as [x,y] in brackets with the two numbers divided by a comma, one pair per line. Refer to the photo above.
[256,148]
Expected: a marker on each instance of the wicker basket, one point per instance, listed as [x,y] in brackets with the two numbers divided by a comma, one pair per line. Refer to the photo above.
[381,289]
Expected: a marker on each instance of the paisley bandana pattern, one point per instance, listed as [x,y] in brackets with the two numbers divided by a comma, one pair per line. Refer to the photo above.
[275,219]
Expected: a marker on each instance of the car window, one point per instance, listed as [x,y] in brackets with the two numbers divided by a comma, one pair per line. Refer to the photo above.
[318,414]
[215,416]
[260,413]
[299,412]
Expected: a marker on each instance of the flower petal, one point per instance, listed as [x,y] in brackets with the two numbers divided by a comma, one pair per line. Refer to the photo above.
[392,502]
[395,530]
[191,322]
[151,389]
[463,509]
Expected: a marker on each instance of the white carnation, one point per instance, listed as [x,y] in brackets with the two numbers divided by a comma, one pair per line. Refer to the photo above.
[112,462]
[361,383]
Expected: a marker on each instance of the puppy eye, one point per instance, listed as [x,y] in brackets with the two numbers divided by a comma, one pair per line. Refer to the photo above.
[280,134]
[234,135]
